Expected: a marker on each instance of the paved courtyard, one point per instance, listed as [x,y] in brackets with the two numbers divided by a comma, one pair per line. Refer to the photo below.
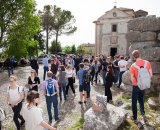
[69,112]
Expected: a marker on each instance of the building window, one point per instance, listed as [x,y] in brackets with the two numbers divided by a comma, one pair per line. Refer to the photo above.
[114,14]
[114,28]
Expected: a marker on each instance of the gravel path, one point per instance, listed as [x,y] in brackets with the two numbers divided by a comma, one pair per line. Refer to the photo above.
[69,111]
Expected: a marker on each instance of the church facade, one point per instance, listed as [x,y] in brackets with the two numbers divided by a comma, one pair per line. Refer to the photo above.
[111,30]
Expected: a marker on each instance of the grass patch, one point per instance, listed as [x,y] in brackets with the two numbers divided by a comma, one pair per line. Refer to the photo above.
[78,125]
[74,116]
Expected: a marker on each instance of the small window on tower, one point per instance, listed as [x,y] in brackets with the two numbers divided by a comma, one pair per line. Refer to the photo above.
[114,28]
[114,14]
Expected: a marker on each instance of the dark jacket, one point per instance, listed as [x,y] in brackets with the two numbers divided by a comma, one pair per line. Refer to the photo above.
[34,64]
[54,68]
[8,64]
[109,80]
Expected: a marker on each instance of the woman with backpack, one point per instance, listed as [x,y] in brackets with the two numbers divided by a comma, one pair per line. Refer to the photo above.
[15,97]
[61,76]
[33,115]
[33,81]
[109,83]
[70,76]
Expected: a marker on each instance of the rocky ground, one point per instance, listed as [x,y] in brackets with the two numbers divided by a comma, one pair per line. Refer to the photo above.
[70,112]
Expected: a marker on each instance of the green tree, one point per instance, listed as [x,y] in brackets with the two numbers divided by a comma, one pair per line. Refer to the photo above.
[63,21]
[53,47]
[41,46]
[67,49]
[73,49]
[20,41]
[56,21]
[47,16]
[81,49]
[90,51]
[10,11]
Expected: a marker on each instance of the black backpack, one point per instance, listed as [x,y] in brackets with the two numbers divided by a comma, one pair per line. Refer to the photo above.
[86,77]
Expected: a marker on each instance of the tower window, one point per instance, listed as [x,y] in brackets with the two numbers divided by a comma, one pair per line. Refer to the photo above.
[114,28]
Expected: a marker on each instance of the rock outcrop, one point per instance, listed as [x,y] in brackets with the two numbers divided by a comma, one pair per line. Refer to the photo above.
[144,35]
[109,120]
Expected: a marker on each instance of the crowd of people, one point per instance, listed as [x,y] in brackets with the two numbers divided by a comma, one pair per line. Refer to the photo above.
[61,76]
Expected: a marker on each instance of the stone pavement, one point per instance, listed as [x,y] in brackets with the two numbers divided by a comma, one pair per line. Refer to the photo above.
[69,112]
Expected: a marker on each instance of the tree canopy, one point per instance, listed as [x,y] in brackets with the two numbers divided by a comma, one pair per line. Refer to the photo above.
[55,46]
[20,35]
[73,49]
[67,49]
[80,49]
[57,21]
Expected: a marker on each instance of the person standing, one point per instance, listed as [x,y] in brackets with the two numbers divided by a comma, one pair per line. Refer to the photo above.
[33,81]
[34,64]
[61,76]
[33,114]
[109,82]
[123,65]
[13,61]
[116,69]
[51,92]
[70,76]
[138,94]
[87,78]
[96,64]
[72,62]
[82,86]
[104,70]
[45,66]
[14,99]
[54,68]
[92,68]
[8,64]
[77,62]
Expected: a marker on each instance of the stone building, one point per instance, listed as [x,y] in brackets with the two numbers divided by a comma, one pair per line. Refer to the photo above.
[89,47]
[111,30]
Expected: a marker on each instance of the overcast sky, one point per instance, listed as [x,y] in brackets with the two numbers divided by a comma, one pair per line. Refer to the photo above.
[87,11]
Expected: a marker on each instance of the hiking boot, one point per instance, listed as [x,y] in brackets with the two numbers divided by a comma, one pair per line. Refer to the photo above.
[50,122]
[22,123]
[144,118]
[134,120]
[57,121]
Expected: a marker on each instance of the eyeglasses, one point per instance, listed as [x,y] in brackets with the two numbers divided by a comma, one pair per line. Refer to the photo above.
[32,72]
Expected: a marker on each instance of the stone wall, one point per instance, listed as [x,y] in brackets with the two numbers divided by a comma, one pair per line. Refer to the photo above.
[144,35]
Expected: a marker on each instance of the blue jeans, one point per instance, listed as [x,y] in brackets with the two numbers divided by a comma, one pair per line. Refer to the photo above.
[45,70]
[49,101]
[116,76]
[137,94]
[120,78]
[63,88]
[104,76]
[10,71]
